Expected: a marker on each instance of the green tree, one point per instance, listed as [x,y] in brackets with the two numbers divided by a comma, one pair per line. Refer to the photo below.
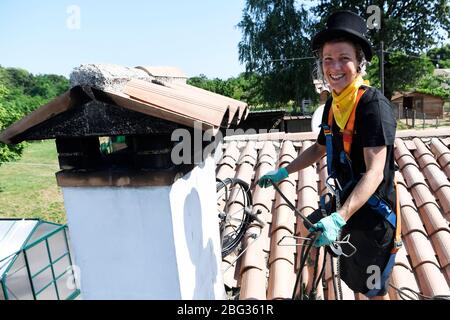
[409,71]
[440,56]
[434,85]
[244,87]
[7,117]
[21,93]
[275,33]
[407,27]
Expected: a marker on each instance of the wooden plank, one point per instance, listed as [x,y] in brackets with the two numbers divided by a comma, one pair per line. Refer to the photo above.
[124,178]
[60,104]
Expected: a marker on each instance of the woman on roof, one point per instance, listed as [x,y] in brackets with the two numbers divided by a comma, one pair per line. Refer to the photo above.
[360,159]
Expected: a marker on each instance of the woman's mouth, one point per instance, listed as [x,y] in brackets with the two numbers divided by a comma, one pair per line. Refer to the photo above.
[336,77]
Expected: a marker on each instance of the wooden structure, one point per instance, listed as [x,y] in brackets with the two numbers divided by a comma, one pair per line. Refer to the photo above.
[424,105]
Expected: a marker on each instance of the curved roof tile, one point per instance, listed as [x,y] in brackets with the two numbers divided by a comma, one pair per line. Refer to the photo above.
[422,264]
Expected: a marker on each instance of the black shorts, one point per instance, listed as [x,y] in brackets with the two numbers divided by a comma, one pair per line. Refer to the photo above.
[373,238]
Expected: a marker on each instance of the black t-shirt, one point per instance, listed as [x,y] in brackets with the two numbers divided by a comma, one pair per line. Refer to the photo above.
[375,126]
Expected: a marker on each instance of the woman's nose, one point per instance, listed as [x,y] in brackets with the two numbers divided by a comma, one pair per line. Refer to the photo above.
[335,64]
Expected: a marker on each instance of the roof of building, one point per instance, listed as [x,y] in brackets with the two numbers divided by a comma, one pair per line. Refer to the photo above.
[442,72]
[398,95]
[160,71]
[267,269]
[135,90]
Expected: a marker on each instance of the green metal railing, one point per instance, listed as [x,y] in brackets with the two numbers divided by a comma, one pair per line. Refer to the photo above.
[51,265]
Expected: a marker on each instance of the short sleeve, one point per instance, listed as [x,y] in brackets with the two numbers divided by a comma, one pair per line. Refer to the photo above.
[326,110]
[378,124]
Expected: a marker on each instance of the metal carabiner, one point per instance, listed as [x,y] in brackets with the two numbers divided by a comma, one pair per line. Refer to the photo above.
[331,187]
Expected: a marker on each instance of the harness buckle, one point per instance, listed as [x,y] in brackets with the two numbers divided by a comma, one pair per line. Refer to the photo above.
[331,187]
[397,245]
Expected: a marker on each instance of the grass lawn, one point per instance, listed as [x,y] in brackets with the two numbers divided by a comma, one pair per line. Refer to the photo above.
[28,186]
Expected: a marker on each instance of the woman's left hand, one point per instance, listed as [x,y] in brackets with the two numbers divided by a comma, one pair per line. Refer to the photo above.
[330,226]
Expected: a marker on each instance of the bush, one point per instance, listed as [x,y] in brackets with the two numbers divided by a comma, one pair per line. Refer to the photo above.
[9,152]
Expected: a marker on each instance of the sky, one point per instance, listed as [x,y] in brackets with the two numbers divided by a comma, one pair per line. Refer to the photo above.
[49,36]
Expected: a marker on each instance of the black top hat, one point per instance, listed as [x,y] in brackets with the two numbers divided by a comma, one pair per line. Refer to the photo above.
[348,25]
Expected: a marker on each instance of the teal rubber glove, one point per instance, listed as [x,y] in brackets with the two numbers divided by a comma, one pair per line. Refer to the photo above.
[272,176]
[330,226]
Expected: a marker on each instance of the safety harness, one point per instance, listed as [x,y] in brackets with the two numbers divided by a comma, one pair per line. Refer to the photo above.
[375,202]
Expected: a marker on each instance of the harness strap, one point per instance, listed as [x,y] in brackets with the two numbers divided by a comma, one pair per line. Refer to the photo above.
[384,277]
[329,146]
[347,134]
[398,226]
[397,242]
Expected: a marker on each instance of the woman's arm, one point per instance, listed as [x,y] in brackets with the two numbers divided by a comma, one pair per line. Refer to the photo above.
[307,158]
[375,159]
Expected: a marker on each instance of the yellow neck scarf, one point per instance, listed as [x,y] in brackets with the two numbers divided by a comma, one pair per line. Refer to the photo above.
[344,102]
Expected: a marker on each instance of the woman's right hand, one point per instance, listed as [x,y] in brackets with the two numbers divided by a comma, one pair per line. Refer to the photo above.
[273,176]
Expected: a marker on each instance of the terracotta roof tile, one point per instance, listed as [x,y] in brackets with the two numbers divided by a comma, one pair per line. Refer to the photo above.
[446,272]
[433,219]
[402,278]
[263,196]
[411,221]
[281,280]
[402,155]
[442,154]
[267,154]
[360,296]
[226,166]
[231,276]
[281,248]
[253,265]
[441,244]
[401,259]
[253,285]
[431,280]
[410,145]
[287,153]
[249,154]
[419,249]
[166,97]
[287,187]
[283,218]
[268,269]
[437,179]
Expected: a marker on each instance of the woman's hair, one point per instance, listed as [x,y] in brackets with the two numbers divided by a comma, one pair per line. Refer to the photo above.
[360,58]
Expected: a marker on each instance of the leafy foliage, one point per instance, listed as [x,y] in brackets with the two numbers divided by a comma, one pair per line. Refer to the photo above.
[8,152]
[440,56]
[21,93]
[273,33]
[434,85]
[408,73]
[244,87]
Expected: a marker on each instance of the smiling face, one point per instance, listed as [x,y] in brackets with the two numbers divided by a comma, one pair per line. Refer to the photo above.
[339,64]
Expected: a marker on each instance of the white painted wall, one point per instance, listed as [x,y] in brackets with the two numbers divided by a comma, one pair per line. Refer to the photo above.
[196,231]
[148,242]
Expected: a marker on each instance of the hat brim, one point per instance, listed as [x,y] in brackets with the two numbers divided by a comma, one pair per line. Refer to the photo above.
[326,35]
